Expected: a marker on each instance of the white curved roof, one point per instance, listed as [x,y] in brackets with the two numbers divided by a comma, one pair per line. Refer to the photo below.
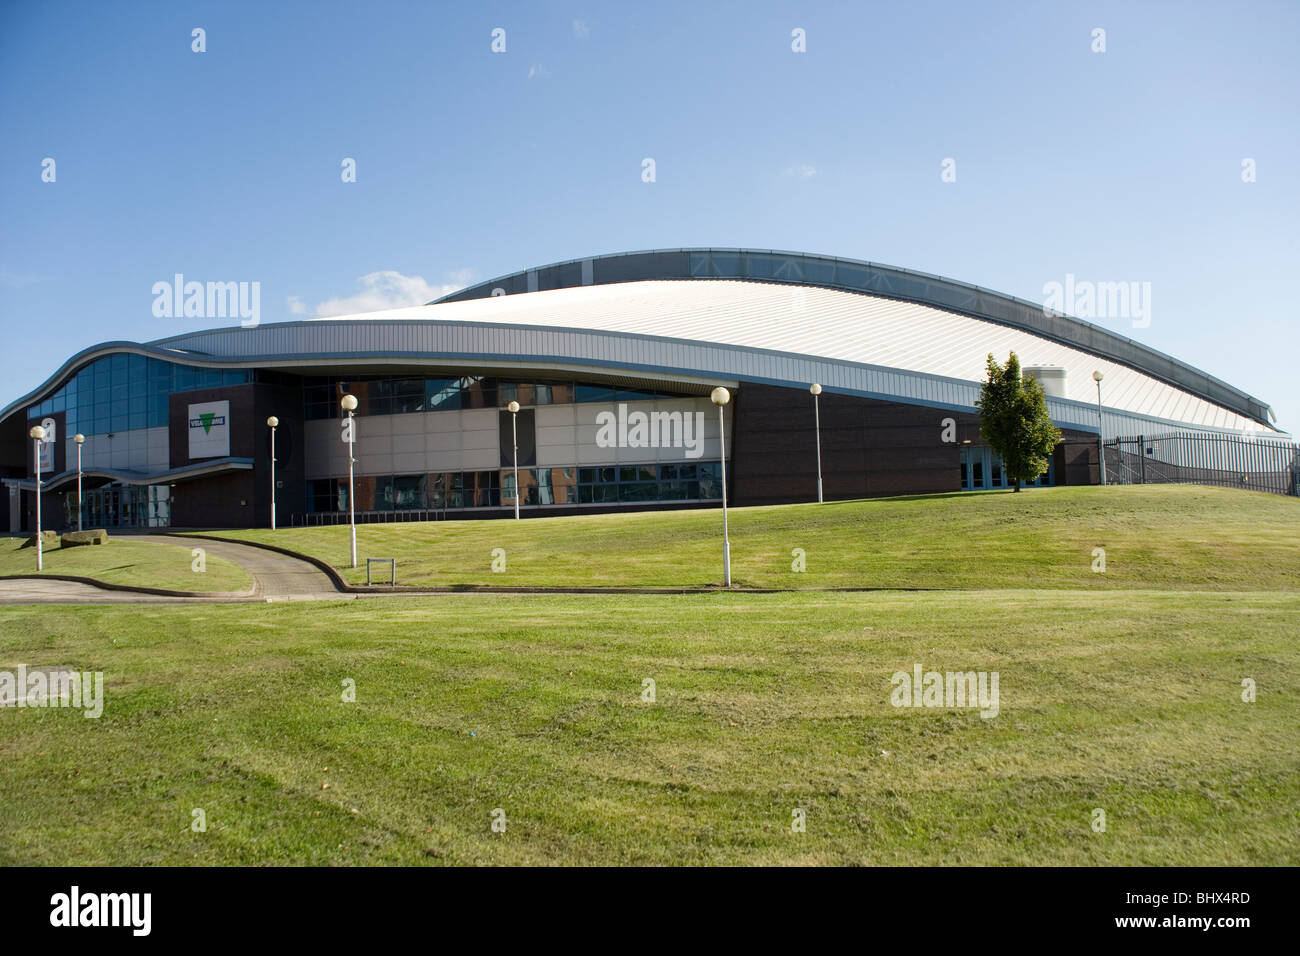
[706,331]
[823,323]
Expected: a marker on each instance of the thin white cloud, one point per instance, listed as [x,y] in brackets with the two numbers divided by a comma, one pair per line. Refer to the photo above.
[802,170]
[580,29]
[387,289]
[537,71]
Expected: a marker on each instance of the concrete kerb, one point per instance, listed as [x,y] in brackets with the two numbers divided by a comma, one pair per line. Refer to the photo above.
[249,594]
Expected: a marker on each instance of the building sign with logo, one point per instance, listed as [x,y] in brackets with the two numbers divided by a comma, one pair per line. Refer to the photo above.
[209,430]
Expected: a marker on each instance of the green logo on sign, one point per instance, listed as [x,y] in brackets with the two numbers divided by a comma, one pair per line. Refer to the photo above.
[206,419]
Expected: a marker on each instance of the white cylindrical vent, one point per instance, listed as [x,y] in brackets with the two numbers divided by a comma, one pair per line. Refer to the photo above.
[1051,377]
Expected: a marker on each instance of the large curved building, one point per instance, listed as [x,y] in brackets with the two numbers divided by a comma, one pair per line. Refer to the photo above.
[612,359]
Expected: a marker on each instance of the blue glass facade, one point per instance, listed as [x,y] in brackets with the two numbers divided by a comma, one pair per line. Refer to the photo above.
[606,484]
[121,392]
[684,481]
[397,396]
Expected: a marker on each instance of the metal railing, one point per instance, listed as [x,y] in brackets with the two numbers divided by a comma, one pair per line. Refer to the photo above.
[316,518]
[392,569]
[1233,461]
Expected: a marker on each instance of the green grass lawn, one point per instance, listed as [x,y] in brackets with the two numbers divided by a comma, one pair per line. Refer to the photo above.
[1154,536]
[122,561]
[1128,701]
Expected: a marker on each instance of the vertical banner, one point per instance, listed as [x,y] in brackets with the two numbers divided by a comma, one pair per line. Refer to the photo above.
[45,452]
[47,445]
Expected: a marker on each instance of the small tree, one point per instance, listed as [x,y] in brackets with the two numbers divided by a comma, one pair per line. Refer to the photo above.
[1015,422]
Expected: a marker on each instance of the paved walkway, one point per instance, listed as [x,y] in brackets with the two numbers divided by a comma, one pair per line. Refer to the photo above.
[276,577]
[53,591]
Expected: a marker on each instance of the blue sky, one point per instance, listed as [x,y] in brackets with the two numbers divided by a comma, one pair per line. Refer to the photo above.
[225,165]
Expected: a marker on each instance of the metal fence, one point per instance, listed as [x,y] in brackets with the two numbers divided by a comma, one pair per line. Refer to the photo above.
[315,518]
[1234,461]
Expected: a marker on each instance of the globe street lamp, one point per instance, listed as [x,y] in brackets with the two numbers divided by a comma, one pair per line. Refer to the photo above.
[273,422]
[80,440]
[720,396]
[1101,444]
[349,403]
[38,436]
[513,408]
[816,390]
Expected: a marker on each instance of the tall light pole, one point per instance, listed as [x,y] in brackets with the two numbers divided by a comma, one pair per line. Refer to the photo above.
[720,396]
[1101,441]
[513,408]
[273,421]
[80,440]
[349,403]
[38,436]
[816,390]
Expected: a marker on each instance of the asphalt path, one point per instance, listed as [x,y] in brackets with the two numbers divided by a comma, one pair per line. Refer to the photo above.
[276,577]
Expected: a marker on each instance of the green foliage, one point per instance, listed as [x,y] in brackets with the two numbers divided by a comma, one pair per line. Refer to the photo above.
[1015,422]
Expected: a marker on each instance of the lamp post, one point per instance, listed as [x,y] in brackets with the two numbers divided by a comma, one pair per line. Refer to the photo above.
[1101,442]
[38,436]
[513,408]
[273,421]
[720,396]
[80,440]
[349,403]
[816,390]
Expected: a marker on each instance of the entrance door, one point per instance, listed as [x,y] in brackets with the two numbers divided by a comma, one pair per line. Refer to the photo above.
[980,468]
